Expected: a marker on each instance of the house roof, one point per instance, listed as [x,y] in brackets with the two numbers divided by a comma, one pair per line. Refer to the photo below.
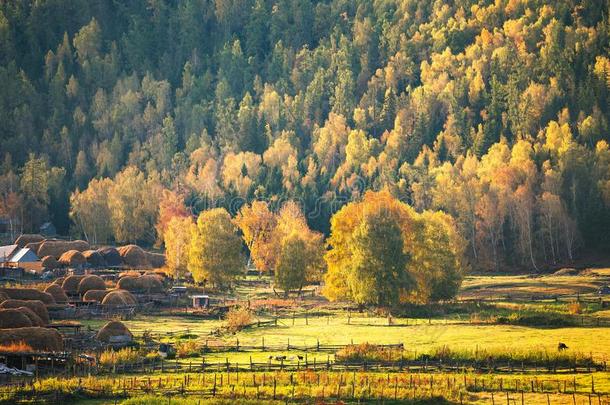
[24,255]
[6,252]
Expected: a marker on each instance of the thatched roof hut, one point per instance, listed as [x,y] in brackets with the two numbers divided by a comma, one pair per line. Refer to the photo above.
[44,339]
[134,256]
[50,262]
[72,258]
[26,238]
[145,283]
[57,248]
[114,331]
[58,293]
[94,258]
[95,295]
[37,306]
[34,318]
[91,282]
[111,256]
[28,294]
[119,298]
[13,318]
[156,260]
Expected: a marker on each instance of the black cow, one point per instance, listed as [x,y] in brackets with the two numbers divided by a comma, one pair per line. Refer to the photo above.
[561,346]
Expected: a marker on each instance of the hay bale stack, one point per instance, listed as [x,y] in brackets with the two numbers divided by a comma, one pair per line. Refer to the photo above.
[34,246]
[134,256]
[37,306]
[156,260]
[56,248]
[70,284]
[13,318]
[94,258]
[43,339]
[28,294]
[59,281]
[114,329]
[145,283]
[95,295]
[91,282]
[26,238]
[33,317]
[117,298]
[58,293]
[50,262]
[111,256]
[72,258]
[3,296]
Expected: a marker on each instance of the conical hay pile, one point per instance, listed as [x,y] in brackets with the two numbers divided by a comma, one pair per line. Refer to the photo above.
[28,294]
[43,339]
[37,306]
[58,293]
[91,282]
[111,329]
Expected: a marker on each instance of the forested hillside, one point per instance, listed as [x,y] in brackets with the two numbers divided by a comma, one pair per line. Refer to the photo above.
[494,112]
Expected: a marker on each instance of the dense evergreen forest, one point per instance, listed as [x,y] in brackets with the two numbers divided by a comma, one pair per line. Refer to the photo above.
[494,112]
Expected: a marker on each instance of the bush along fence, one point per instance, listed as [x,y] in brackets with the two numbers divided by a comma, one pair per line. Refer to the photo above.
[321,385]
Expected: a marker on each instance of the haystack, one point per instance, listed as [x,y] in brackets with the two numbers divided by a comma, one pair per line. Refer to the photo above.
[145,283]
[13,318]
[3,296]
[94,258]
[26,238]
[59,281]
[37,306]
[119,298]
[111,256]
[34,318]
[57,248]
[34,246]
[156,260]
[44,339]
[58,293]
[50,262]
[114,331]
[28,294]
[72,258]
[91,282]
[134,256]
[70,284]
[95,295]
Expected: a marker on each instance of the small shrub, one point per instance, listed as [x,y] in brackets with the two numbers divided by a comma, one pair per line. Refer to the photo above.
[110,358]
[238,319]
[575,308]
[187,348]
[367,352]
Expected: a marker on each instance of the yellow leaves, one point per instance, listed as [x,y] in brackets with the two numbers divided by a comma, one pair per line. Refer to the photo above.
[240,170]
[283,155]
[558,138]
[215,251]
[177,244]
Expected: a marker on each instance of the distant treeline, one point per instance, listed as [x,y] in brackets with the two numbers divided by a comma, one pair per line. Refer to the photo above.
[493,112]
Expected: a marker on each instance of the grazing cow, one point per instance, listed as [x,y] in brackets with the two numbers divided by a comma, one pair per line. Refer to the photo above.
[561,346]
[280,358]
[300,357]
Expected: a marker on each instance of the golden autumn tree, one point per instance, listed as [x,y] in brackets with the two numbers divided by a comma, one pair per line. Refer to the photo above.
[215,253]
[90,211]
[257,222]
[297,250]
[171,205]
[177,238]
[368,259]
